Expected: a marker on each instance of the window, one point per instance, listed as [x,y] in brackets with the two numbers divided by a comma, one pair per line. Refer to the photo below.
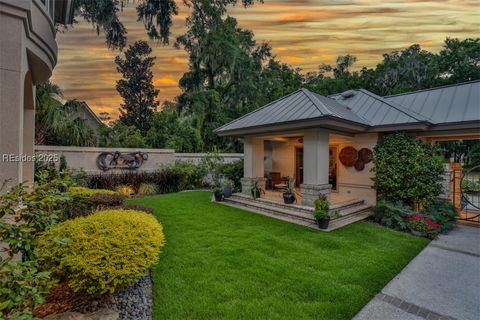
[49,6]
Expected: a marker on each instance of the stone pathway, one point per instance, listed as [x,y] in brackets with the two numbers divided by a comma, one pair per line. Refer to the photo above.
[442,282]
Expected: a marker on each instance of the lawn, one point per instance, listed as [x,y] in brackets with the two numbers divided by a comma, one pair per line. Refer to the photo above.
[225,263]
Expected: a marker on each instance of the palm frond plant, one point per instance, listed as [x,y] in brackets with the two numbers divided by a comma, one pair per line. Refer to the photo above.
[289,196]
[256,189]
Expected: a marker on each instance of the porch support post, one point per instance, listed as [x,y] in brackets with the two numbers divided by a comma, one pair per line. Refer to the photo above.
[253,163]
[315,165]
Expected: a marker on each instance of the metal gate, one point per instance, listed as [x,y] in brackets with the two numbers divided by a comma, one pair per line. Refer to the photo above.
[469,206]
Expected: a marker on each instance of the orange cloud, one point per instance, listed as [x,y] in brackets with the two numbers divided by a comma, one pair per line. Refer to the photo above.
[302,33]
[292,59]
[169,81]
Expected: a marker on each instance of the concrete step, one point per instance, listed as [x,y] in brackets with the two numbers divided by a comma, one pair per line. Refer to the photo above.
[352,218]
[276,210]
[344,212]
[339,206]
[294,206]
[309,224]
[346,204]
[350,212]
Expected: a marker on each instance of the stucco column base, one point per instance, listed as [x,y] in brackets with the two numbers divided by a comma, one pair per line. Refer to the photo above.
[247,184]
[310,192]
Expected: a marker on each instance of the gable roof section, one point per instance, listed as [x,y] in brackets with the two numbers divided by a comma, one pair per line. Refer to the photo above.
[447,104]
[299,105]
[378,110]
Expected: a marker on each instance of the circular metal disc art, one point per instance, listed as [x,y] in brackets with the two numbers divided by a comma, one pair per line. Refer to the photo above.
[365,155]
[348,156]
[359,165]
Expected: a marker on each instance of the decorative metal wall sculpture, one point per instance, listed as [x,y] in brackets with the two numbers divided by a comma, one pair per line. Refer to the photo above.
[119,160]
[349,156]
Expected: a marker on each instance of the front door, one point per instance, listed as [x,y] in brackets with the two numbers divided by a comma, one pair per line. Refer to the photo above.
[298,166]
[332,167]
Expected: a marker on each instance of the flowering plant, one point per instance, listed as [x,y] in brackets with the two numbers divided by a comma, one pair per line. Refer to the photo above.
[421,223]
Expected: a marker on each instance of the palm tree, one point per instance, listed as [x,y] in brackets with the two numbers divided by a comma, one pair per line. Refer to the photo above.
[58,124]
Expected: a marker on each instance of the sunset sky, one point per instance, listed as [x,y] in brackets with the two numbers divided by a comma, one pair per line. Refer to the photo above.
[303,33]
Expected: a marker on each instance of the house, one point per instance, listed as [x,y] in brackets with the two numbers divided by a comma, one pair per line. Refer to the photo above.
[84,112]
[313,139]
[28,54]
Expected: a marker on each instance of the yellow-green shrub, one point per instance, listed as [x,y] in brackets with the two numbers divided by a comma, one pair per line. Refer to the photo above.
[104,251]
[89,192]
[125,190]
[147,189]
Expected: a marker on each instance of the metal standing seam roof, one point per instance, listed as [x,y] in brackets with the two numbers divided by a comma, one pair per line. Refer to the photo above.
[448,104]
[299,105]
[376,109]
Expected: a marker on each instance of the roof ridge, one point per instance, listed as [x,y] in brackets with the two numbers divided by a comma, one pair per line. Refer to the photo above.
[433,88]
[258,109]
[315,96]
[415,115]
[315,102]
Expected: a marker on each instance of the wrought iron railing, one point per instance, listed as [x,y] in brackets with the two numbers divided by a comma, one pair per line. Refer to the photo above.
[469,206]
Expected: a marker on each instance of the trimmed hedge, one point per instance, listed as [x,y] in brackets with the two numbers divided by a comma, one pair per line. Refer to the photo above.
[103,252]
[86,200]
[166,180]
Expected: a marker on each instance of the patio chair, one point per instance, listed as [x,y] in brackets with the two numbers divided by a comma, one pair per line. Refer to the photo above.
[277,182]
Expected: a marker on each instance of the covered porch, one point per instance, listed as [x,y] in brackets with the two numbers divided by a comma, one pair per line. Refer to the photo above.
[309,161]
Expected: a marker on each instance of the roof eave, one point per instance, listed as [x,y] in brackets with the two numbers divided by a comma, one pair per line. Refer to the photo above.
[409,126]
[324,122]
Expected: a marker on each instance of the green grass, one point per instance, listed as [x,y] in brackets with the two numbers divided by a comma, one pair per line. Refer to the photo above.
[225,263]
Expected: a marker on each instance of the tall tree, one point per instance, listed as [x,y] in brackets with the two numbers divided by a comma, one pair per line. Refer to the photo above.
[136,88]
[410,69]
[459,60]
[156,15]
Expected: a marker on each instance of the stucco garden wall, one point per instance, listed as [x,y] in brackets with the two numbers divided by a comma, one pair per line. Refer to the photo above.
[358,184]
[197,157]
[85,158]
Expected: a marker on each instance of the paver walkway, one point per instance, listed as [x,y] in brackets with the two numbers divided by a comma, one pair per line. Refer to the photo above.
[442,282]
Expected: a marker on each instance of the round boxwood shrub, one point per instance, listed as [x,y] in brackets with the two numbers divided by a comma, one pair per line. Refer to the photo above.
[102,252]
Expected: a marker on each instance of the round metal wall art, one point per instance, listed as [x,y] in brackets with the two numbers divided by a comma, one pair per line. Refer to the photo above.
[365,155]
[348,156]
[359,165]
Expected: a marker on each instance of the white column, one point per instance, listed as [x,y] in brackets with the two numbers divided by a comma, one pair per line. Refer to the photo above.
[253,157]
[253,163]
[315,157]
[315,165]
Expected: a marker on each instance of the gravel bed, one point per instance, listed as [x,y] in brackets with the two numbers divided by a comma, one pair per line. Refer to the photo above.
[134,303]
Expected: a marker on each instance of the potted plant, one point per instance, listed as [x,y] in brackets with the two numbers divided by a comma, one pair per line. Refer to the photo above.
[422,226]
[227,188]
[256,190]
[218,193]
[289,195]
[321,211]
